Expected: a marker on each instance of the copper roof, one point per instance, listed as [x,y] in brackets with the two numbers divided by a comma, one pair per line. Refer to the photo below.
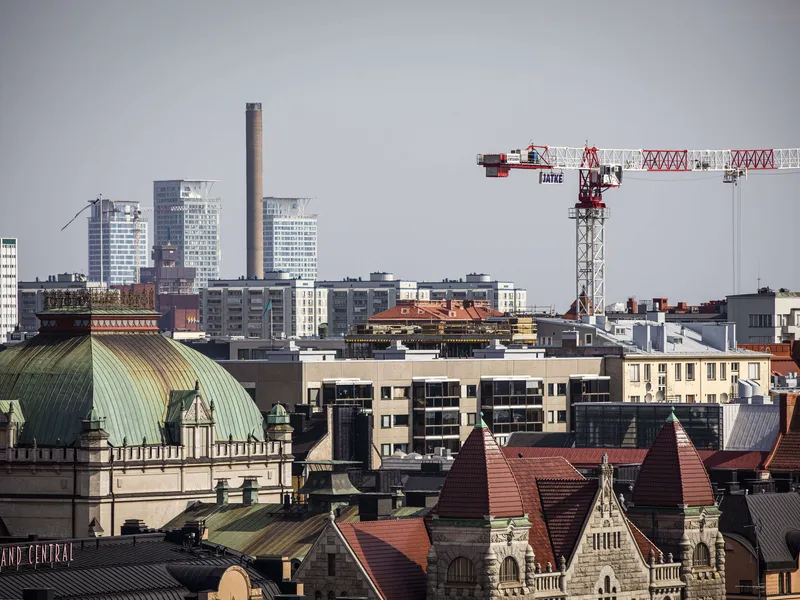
[672,473]
[480,482]
[394,555]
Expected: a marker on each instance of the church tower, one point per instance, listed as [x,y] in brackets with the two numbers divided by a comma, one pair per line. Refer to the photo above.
[479,531]
[673,505]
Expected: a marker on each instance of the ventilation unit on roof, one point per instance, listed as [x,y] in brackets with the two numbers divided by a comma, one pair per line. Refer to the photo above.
[675,339]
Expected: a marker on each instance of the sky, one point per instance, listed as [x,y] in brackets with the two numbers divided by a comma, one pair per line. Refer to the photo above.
[377,110]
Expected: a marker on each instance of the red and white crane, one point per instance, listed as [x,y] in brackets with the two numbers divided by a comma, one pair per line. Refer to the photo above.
[600,169]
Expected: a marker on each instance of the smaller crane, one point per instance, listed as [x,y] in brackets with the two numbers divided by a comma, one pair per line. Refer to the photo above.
[99,200]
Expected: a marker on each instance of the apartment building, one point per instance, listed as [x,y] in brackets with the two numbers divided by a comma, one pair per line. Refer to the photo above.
[766,317]
[275,307]
[8,286]
[504,296]
[352,301]
[30,295]
[657,361]
[117,242]
[290,237]
[420,402]
[187,216]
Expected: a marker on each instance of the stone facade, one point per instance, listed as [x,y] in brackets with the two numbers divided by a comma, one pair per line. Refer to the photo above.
[348,578]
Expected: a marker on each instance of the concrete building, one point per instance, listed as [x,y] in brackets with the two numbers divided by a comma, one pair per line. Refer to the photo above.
[187,216]
[501,295]
[420,405]
[104,420]
[290,237]
[8,287]
[657,361]
[31,295]
[352,301]
[277,306]
[766,317]
[118,239]
[173,285]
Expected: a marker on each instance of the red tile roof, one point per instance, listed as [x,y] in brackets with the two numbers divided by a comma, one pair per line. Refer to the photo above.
[394,555]
[480,482]
[432,311]
[785,456]
[642,541]
[672,473]
[733,459]
[565,505]
[526,471]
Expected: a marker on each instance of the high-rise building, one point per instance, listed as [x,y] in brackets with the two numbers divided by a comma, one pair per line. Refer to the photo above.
[290,237]
[187,217]
[120,228]
[8,286]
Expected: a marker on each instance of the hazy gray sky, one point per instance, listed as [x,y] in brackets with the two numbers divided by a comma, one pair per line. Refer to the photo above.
[378,109]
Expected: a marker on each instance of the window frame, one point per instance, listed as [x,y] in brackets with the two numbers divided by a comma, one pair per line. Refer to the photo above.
[701,555]
[386,421]
[678,367]
[466,574]
[331,564]
[509,570]
[634,373]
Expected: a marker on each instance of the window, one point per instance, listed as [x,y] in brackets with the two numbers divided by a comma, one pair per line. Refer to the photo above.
[331,565]
[711,398]
[562,416]
[689,371]
[509,570]
[551,416]
[711,371]
[471,418]
[561,389]
[702,557]
[551,389]
[647,372]
[784,583]
[677,371]
[723,371]
[461,570]
[760,321]
[745,586]
[386,449]
[636,398]
[690,398]
[472,391]
[633,372]
[386,421]
[386,392]
[735,367]
[588,339]
[401,420]
[754,370]
[662,367]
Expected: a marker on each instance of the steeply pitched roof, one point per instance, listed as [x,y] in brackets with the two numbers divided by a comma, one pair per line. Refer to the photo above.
[672,473]
[642,541]
[394,555]
[526,472]
[765,520]
[565,505]
[786,455]
[480,482]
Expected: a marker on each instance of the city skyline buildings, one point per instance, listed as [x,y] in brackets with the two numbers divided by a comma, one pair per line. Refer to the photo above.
[8,286]
[290,237]
[117,241]
[188,217]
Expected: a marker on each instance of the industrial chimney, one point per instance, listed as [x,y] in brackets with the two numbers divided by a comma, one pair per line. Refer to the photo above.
[255,185]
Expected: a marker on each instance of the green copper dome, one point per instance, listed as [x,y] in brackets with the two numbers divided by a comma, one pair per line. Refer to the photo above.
[126,379]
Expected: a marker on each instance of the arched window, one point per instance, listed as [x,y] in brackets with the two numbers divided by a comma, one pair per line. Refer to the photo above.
[702,557]
[607,585]
[461,570]
[509,570]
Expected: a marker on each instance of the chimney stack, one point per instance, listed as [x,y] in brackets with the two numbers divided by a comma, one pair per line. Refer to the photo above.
[255,192]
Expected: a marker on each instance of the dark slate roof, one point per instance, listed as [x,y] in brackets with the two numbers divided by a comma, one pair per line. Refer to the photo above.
[117,568]
[565,505]
[424,483]
[394,555]
[125,377]
[672,473]
[534,439]
[480,482]
[766,521]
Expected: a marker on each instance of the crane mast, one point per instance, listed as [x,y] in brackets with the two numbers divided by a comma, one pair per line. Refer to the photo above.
[601,169]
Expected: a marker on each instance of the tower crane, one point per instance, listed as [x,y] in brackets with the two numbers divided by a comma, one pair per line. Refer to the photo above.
[602,169]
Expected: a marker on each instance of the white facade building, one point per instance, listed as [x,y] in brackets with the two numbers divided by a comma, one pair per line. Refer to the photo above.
[120,228]
[502,295]
[188,217]
[290,237]
[352,301]
[766,317]
[277,306]
[8,286]
[30,295]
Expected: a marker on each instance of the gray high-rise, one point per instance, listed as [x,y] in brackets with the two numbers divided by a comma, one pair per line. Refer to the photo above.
[187,216]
